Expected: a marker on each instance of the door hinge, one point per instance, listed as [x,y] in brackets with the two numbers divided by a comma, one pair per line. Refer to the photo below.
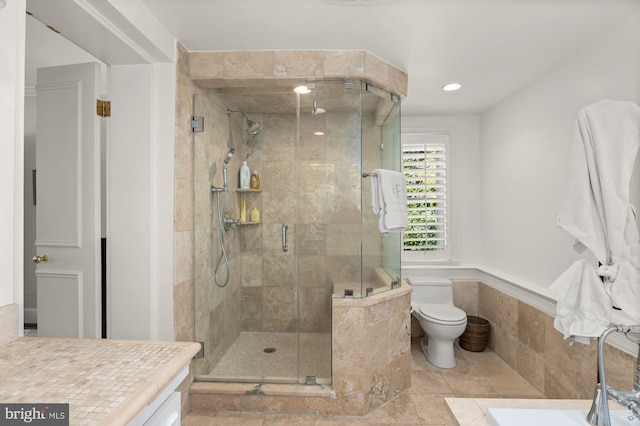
[197,124]
[103,108]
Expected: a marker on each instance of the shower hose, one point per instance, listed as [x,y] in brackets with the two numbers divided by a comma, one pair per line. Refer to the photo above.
[223,251]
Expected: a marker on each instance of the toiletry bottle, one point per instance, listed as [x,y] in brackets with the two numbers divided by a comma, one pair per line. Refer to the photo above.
[255,180]
[255,215]
[243,211]
[245,175]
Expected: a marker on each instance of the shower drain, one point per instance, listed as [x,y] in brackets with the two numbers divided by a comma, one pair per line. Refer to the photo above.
[269,350]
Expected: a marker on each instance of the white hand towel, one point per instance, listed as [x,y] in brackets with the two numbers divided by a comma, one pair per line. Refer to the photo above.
[376,196]
[389,200]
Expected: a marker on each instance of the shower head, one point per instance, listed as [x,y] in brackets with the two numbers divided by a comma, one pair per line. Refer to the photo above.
[253,127]
[228,156]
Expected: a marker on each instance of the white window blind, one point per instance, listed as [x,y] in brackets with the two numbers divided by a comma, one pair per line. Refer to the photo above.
[424,163]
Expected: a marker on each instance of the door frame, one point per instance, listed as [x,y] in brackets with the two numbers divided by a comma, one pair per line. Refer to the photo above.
[138,52]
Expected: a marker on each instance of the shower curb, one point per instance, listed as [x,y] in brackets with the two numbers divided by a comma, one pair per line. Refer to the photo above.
[272,389]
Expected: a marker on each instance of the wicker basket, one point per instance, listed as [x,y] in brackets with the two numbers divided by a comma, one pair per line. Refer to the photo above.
[475,336]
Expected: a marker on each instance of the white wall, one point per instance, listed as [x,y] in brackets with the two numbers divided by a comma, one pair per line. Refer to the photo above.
[524,155]
[140,199]
[465,185]
[12,40]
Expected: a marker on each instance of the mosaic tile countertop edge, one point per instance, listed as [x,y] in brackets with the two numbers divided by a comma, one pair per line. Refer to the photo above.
[103,381]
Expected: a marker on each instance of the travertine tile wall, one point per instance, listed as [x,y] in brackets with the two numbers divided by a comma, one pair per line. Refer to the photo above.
[225,69]
[270,275]
[525,338]
[382,370]
[315,189]
[217,295]
[183,235]
[183,225]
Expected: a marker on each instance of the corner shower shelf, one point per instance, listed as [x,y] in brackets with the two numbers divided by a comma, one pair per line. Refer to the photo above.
[242,192]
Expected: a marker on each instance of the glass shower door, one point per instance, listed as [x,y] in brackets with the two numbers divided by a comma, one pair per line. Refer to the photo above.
[327,227]
[245,290]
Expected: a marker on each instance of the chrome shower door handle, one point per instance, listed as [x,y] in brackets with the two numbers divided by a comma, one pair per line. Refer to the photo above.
[285,237]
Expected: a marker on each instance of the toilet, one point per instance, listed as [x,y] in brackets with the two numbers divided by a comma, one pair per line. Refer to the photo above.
[442,322]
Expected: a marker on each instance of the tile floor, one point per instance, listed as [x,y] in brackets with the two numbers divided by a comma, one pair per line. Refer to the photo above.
[246,359]
[478,374]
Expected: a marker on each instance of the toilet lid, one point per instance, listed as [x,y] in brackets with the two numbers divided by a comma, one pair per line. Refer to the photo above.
[443,313]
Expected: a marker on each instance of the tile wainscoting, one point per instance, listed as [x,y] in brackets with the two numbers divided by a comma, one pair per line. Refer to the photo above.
[522,334]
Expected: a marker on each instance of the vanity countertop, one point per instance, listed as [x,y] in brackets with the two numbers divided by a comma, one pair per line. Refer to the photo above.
[473,411]
[103,381]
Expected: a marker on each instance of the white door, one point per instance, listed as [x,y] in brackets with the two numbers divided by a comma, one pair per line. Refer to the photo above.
[68,201]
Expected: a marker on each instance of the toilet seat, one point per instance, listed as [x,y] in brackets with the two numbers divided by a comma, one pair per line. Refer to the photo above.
[443,314]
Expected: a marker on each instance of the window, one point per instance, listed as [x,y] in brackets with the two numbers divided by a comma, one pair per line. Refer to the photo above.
[425,166]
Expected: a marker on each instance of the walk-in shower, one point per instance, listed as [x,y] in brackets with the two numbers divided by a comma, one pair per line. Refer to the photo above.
[272,320]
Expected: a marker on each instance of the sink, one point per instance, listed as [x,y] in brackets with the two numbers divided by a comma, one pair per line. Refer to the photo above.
[537,417]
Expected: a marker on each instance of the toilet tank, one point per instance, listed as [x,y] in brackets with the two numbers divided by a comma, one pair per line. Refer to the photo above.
[431,290]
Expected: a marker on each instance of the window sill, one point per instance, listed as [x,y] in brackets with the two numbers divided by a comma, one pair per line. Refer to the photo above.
[429,262]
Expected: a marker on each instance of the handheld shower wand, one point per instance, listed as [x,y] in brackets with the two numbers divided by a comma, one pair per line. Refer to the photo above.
[222,220]
[225,185]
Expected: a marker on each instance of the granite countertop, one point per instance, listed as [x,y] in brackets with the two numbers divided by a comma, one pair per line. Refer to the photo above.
[103,381]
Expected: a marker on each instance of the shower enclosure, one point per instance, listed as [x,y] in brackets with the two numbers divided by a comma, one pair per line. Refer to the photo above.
[263,307]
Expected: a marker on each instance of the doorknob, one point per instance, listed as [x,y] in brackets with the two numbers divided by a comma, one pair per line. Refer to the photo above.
[40,259]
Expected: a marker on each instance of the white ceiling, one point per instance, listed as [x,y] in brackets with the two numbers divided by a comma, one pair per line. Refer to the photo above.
[493,47]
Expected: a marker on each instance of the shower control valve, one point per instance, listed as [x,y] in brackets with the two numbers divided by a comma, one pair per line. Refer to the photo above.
[228,222]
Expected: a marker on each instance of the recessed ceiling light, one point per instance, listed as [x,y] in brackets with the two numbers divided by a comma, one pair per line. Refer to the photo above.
[302,90]
[451,87]
[318,133]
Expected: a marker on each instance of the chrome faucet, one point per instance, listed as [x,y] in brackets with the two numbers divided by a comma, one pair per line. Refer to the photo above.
[599,413]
